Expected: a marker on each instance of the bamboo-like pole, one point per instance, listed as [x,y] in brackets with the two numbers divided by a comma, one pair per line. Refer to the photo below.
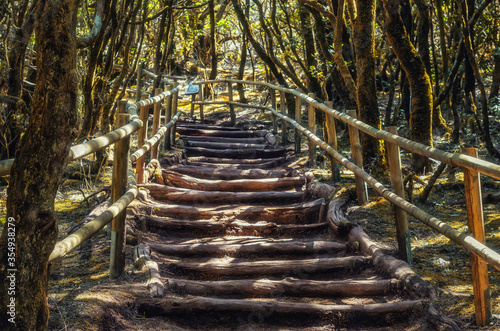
[119,188]
[298,104]
[156,124]
[402,234]
[231,107]
[168,115]
[331,133]
[273,106]
[142,136]
[138,90]
[283,122]
[201,97]
[463,239]
[480,281]
[311,123]
[175,103]
[357,156]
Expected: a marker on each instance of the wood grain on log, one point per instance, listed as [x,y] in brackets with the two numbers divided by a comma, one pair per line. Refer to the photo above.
[287,286]
[227,174]
[142,260]
[258,140]
[270,267]
[215,133]
[238,185]
[234,161]
[225,145]
[264,165]
[235,153]
[187,196]
[261,247]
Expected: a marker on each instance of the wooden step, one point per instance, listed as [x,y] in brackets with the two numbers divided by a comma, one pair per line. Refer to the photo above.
[233,267]
[215,133]
[197,304]
[264,247]
[264,165]
[235,153]
[187,196]
[229,174]
[225,145]
[205,126]
[236,185]
[258,140]
[288,286]
[298,213]
[234,161]
[230,227]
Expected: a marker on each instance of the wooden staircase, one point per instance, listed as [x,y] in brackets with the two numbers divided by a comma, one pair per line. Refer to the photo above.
[234,240]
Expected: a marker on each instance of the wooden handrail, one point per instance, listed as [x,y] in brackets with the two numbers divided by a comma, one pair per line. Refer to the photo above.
[455,159]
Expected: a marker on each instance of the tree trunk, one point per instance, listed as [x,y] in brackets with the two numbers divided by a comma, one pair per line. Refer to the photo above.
[421,113]
[366,91]
[38,167]
[213,43]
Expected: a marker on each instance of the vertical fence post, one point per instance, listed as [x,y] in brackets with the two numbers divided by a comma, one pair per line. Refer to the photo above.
[357,156]
[311,122]
[402,234]
[231,107]
[298,113]
[141,139]
[156,124]
[331,133]
[175,99]
[168,117]
[201,97]
[273,106]
[118,188]
[283,122]
[474,202]
[138,89]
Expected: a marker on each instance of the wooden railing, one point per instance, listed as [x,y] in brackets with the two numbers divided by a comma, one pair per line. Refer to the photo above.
[123,187]
[467,160]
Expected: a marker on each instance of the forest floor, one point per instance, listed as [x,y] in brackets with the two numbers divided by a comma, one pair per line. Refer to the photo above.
[81,296]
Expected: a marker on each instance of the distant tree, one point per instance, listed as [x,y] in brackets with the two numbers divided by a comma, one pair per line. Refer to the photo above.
[38,167]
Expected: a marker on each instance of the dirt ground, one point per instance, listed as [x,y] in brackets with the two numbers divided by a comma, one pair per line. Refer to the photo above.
[81,296]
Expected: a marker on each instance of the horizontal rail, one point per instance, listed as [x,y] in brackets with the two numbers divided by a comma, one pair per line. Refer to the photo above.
[455,159]
[153,140]
[88,230]
[464,239]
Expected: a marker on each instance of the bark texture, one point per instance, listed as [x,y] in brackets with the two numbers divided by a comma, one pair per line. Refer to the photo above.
[39,165]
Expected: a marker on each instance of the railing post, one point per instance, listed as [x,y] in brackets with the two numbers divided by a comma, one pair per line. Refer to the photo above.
[402,234]
[273,106]
[138,89]
[156,125]
[141,139]
[311,118]
[298,113]
[168,117]
[357,156]
[119,188]
[175,99]
[231,107]
[201,98]
[283,122]
[474,202]
[331,132]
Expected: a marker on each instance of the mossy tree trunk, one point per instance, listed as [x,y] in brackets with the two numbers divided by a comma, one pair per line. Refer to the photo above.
[38,167]
[420,85]
[366,91]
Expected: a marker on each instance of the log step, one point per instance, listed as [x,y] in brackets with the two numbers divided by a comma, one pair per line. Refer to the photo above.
[180,195]
[234,227]
[215,133]
[236,185]
[234,161]
[197,304]
[298,213]
[225,145]
[235,153]
[205,126]
[262,248]
[229,174]
[264,165]
[258,140]
[288,286]
[232,267]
